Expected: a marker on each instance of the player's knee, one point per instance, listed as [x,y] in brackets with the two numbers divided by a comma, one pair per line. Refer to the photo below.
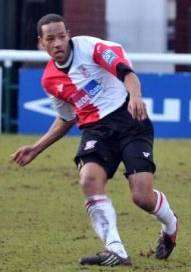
[92,181]
[144,202]
[87,179]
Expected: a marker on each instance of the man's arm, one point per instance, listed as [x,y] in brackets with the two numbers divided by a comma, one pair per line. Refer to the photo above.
[114,60]
[136,106]
[26,154]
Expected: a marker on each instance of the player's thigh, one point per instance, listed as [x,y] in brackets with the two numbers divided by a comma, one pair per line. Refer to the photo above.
[93,149]
[137,157]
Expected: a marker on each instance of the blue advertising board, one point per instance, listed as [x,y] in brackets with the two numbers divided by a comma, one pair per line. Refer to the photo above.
[167,96]
[35,113]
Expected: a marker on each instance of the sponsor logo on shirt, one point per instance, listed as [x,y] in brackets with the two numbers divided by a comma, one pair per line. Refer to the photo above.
[83,101]
[109,56]
[93,88]
[83,97]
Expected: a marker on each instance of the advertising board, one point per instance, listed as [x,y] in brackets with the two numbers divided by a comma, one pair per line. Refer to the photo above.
[167,96]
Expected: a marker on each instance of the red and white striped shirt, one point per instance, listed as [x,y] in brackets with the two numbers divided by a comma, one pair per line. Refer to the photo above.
[90,90]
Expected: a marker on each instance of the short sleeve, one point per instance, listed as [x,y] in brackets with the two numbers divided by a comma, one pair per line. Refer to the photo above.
[63,109]
[111,57]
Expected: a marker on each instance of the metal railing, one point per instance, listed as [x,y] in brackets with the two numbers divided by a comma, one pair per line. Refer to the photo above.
[8,57]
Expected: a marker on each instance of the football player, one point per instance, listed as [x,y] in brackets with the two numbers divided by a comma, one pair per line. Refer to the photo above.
[92,83]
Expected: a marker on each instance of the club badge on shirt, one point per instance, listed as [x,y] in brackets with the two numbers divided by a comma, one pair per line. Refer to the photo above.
[84,71]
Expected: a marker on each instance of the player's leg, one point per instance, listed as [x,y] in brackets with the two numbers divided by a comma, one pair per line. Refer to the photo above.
[93,179]
[156,203]
[140,169]
[96,165]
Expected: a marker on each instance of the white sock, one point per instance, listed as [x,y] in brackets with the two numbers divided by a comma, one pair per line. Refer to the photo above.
[103,219]
[164,214]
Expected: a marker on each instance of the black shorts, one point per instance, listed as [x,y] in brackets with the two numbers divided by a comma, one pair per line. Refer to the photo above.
[115,138]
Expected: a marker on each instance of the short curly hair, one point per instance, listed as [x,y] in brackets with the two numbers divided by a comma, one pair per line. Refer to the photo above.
[47,19]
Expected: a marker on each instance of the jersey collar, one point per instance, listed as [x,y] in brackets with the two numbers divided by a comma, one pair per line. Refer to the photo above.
[68,63]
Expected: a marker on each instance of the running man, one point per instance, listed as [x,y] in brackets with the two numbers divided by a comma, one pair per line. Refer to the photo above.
[92,83]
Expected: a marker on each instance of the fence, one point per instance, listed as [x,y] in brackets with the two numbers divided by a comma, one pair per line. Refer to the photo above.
[8,57]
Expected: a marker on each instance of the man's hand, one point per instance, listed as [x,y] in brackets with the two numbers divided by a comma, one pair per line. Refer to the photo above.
[24,155]
[27,153]
[137,108]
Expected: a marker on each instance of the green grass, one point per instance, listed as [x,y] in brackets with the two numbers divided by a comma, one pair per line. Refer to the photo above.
[43,223]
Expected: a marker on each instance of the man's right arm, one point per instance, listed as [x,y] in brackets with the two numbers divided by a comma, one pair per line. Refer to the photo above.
[26,154]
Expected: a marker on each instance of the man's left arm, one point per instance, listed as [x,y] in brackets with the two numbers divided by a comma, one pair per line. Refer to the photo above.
[136,106]
[113,59]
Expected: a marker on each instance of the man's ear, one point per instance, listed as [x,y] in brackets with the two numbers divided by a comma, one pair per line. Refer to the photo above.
[40,44]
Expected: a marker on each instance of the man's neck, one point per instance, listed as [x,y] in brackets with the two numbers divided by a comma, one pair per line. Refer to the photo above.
[67,63]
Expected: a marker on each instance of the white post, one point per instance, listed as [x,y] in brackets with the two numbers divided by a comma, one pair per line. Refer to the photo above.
[140,26]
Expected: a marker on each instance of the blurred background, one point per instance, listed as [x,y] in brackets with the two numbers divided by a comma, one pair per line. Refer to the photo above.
[141,26]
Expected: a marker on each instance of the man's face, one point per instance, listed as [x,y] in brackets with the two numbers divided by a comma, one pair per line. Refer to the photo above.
[55,40]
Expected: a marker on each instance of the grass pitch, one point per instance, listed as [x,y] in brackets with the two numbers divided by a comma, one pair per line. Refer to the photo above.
[43,224]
